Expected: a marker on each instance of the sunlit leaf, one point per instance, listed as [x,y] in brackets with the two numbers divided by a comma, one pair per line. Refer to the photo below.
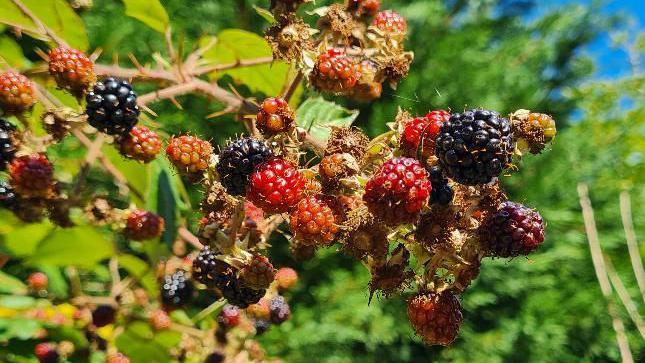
[149,12]
[79,246]
[318,115]
[11,52]
[140,271]
[264,13]
[12,285]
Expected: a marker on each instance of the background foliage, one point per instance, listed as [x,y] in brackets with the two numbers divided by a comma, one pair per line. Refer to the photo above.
[467,54]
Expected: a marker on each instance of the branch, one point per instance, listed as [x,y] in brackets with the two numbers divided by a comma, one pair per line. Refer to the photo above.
[190,238]
[43,29]
[632,244]
[238,64]
[601,271]
[131,73]
[623,295]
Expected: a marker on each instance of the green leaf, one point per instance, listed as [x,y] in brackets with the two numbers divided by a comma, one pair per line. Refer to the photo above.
[163,196]
[80,246]
[22,329]
[141,344]
[17,302]
[264,13]
[234,45]
[12,53]
[140,271]
[11,285]
[149,12]
[57,15]
[23,241]
[133,171]
[318,115]
[57,284]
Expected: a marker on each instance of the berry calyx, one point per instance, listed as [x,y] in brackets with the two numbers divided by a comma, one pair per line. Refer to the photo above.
[142,225]
[230,316]
[38,281]
[335,72]
[286,277]
[474,147]
[103,315]
[512,231]
[160,320]
[32,176]
[112,106]
[190,155]
[7,143]
[275,186]
[46,353]
[259,273]
[391,23]
[275,116]
[398,191]
[238,161]
[176,290]
[419,134]
[280,310]
[313,222]
[435,317]
[140,144]
[71,69]
[16,93]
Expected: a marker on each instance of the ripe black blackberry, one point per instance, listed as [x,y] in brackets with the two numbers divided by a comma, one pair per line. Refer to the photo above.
[176,290]
[240,295]
[513,231]
[7,146]
[238,160]
[475,146]
[261,326]
[441,192]
[280,310]
[103,315]
[8,198]
[112,106]
[211,271]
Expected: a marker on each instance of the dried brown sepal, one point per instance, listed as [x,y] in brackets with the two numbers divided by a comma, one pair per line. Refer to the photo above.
[217,205]
[301,252]
[396,66]
[58,122]
[361,235]
[286,6]
[392,276]
[347,140]
[58,211]
[289,38]
[338,21]
[29,210]
[333,168]
[532,130]
[436,226]
[100,212]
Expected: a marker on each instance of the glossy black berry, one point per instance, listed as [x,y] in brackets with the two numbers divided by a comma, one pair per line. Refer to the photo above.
[280,310]
[474,147]
[215,357]
[211,271]
[240,295]
[238,160]
[512,231]
[112,106]
[261,326]
[7,146]
[8,198]
[176,290]
[103,315]
[442,192]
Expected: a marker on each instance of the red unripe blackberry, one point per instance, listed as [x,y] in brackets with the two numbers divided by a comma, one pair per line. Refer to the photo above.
[280,310]
[160,320]
[142,225]
[276,186]
[419,134]
[230,316]
[363,7]
[391,23]
[286,277]
[117,358]
[259,273]
[335,72]
[111,106]
[176,290]
[140,144]
[7,143]
[190,155]
[16,93]
[238,160]
[313,222]
[475,146]
[398,191]
[71,69]
[38,281]
[103,315]
[32,175]
[275,116]
[46,353]
[512,231]
[435,317]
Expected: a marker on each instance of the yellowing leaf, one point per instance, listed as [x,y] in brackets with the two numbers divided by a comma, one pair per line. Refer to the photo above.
[149,12]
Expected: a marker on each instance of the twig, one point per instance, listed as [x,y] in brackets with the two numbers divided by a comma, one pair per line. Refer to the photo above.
[187,236]
[295,82]
[44,29]
[240,63]
[629,305]
[131,73]
[209,310]
[601,272]
[114,273]
[632,244]
[74,281]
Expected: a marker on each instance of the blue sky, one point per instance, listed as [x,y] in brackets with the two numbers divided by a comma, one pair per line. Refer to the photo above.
[610,62]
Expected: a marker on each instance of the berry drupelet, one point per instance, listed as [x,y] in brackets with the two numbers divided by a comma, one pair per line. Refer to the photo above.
[176,290]
[32,176]
[313,222]
[258,273]
[190,155]
[140,144]
[474,147]
[16,93]
[335,72]
[280,310]
[513,231]
[419,134]
[391,24]
[238,161]
[442,192]
[398,191]
[112,106]
[46,353]
[8,198]
[435,317]
[275,116]
[71,69]
[276,186]
[103,315]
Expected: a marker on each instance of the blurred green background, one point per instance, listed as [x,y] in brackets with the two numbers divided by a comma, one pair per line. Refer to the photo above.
[497,54]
